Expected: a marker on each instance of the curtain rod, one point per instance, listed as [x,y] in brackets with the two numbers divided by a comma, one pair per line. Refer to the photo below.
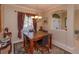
[19,11]
[25,12]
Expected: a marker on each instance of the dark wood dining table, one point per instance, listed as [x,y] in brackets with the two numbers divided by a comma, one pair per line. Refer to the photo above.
[38,36]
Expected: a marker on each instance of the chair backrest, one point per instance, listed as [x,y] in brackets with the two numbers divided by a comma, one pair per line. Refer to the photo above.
[45,40]
[6,49]
[26,41]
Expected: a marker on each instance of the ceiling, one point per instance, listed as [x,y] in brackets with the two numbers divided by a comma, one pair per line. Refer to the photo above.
[41,7]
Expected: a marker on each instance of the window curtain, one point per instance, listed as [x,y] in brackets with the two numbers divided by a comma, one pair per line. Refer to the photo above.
[20,23]
[21,17]
[35,25]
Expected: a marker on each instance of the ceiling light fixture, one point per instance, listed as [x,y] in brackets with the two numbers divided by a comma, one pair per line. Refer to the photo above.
[36,17]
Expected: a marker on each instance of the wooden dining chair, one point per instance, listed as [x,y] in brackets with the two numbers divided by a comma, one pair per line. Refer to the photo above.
[44,44]
[8,47]
[26,43]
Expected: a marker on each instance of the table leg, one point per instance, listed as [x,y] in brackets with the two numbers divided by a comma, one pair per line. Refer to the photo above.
[0,51]
[50,41]
[31,46]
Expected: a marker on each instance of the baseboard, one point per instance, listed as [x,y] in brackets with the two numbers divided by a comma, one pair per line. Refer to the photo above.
[63,46]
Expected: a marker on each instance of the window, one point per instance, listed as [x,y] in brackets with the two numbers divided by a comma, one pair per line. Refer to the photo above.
[28,23]
[28,26]
[56,23]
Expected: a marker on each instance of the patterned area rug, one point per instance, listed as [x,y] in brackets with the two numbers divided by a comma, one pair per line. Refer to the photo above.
[18,49]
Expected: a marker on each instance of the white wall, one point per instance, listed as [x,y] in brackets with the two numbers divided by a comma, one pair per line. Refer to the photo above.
[70,26]
[10,21]
[60,36]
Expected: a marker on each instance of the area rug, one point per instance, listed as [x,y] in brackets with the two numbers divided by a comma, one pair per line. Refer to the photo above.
[18,49]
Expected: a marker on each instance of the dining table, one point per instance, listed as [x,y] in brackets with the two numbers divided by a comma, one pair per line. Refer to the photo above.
[36,37]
